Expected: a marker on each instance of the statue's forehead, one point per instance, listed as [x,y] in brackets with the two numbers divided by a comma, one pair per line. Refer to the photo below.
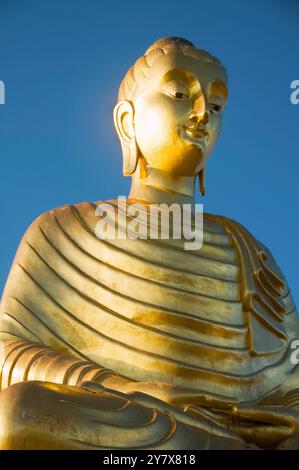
[203,69]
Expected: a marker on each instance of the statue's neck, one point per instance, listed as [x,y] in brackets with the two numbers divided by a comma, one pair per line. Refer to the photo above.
[155,186]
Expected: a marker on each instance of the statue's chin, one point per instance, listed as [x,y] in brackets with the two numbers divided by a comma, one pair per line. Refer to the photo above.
[192,165]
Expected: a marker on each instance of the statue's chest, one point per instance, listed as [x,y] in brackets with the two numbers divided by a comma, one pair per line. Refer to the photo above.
[149,309]
[183,295]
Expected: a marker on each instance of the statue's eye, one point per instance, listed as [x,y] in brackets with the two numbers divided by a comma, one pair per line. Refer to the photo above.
[180,95]
[216,104]
[215,108]
[177,90]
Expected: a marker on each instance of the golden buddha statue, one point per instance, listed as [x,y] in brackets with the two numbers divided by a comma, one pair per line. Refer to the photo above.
[141,344]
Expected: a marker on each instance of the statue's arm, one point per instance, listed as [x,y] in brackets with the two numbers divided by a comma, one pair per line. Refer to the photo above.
[35,327]
[274,422]
[291,318]
[29,338]
[24,361]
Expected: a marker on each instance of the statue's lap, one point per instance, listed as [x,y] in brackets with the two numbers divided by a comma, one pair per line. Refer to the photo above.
[42,415]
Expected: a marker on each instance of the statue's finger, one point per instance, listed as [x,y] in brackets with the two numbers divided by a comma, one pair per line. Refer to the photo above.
[265,414]
[262,435]
[209,401]
[92,386]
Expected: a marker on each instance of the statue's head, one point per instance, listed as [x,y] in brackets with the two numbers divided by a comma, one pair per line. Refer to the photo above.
[168,114]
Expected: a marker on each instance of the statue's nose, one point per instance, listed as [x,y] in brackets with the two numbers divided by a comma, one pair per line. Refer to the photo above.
[199,117]
[199,113]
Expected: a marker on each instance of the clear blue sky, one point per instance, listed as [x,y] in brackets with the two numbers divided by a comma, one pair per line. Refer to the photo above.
[62,62]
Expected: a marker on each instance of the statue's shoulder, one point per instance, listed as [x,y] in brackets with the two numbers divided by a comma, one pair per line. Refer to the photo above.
[241,233]
[67,213]
[235,228]
[245,240]
[49,226]
[220,223]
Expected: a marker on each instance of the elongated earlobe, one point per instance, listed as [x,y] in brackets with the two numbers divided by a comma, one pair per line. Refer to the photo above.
[201,177]
[124,123]
[130,158]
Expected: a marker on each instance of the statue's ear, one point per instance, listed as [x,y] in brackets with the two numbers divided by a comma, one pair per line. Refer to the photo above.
[124,122]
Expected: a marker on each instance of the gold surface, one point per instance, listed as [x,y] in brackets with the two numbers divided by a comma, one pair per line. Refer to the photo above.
[140,343]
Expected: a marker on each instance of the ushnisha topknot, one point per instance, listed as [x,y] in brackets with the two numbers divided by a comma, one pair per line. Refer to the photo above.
[164,46]
[171,41]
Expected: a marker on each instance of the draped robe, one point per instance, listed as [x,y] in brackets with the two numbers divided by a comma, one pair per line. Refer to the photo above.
[219,319]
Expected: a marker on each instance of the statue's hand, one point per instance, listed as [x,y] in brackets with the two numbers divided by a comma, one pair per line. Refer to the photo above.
[172,400]
[172,394]
[180,396]
[265,426]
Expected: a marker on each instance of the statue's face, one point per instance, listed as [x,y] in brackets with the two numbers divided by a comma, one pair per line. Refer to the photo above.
[178,113]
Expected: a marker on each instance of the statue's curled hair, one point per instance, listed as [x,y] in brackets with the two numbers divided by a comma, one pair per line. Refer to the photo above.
[171,45]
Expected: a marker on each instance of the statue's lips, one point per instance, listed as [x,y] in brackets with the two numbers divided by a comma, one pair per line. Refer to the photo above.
[196,133]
